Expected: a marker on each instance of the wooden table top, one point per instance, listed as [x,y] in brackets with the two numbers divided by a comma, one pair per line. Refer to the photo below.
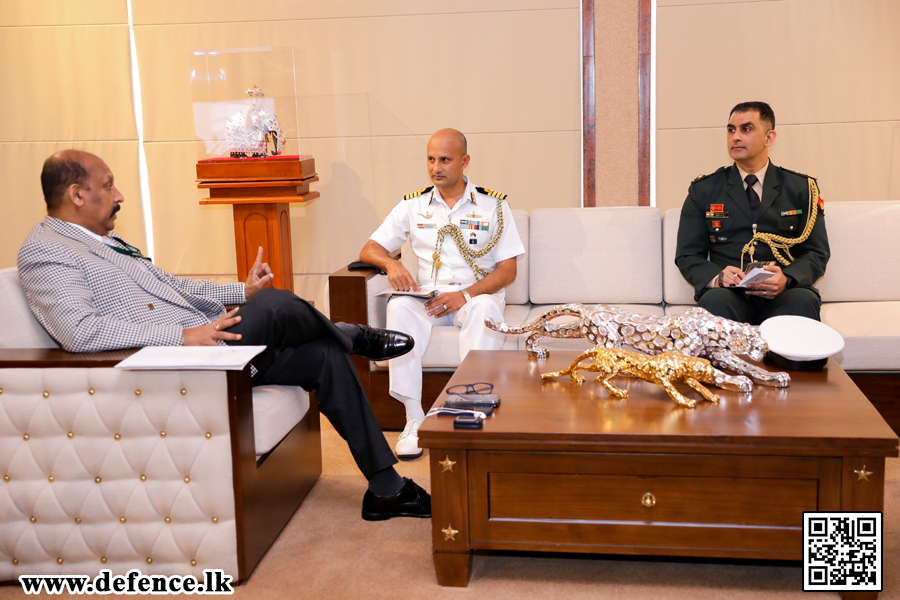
[822,413]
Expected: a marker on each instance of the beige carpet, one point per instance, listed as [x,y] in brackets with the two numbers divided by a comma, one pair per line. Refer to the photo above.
[328,551]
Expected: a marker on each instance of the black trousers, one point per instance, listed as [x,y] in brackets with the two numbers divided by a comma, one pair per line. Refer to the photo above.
[735,305]
[304,348]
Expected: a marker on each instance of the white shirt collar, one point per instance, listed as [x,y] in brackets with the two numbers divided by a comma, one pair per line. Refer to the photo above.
[99,238]
[761,174]
[466,197]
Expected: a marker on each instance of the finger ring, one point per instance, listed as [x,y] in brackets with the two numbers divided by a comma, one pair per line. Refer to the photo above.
[444,306]
[217,326]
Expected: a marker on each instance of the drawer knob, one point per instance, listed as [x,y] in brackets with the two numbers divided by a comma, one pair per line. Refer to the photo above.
[649,500]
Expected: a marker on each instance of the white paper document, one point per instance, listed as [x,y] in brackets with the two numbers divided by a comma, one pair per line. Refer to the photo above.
[191,358]
[755,276]
[426,291]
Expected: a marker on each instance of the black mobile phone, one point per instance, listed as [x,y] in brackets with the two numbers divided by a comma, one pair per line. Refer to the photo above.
[469,405]
[467,422]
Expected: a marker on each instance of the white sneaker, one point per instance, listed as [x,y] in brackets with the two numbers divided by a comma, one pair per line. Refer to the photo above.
[407,447]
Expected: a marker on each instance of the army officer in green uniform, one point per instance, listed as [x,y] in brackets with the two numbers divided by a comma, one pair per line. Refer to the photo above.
[753,211]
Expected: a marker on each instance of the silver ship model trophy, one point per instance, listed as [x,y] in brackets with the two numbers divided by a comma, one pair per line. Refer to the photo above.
[248,132]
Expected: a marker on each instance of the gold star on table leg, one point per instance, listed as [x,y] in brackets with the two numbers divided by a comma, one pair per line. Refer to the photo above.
[447,464]
[449,533]
[863,474]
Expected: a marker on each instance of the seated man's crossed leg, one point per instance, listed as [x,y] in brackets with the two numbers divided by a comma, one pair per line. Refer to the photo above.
[308,350]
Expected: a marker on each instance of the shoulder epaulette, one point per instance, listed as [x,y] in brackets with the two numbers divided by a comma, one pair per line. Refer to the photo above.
[491,193]
[700,177]
[799,173]
[418,193]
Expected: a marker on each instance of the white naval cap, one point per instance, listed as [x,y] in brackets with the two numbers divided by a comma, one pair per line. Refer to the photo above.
[800,339]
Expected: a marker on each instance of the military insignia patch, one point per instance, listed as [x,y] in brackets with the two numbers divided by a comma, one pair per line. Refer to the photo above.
[491,193]
[822,205]
[799,173]
[418,193]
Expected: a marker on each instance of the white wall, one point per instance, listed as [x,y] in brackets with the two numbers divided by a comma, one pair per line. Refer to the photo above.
[829,68]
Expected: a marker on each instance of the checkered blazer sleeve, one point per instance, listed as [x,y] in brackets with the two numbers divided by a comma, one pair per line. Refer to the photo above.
[226,293]
[62,301]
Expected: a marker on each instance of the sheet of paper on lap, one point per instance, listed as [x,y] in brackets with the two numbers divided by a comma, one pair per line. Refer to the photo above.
[755,276]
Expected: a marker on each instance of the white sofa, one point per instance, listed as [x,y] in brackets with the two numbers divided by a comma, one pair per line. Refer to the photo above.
[625,256]
[169,472]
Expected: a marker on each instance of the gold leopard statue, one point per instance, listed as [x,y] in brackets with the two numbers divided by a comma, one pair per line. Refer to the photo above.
[696,332]
[662,369]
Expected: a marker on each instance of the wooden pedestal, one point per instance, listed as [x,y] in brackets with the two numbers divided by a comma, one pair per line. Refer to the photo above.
[260,191]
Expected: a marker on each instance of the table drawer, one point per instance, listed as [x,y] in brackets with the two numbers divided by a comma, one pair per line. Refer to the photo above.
[778,502]
[732,501]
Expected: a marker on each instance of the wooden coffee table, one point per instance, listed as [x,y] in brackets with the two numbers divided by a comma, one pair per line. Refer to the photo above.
[563,468]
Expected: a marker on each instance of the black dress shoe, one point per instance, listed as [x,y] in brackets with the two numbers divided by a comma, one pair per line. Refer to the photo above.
[411,501]
[381,344]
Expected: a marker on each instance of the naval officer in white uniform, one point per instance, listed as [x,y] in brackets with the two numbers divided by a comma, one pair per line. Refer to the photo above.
[466,243]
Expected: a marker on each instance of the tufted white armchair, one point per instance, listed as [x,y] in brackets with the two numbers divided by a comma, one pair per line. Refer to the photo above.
[169,472]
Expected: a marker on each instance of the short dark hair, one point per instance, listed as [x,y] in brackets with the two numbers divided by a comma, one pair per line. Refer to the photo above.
[59,172]
[765,111]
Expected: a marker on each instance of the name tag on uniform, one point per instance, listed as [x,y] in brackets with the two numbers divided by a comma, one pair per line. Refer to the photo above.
[426,225]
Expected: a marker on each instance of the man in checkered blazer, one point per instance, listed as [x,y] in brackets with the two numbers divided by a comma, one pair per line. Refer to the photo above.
[92,291]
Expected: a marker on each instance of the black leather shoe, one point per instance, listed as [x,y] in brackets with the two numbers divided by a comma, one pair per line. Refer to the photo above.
[381,344]
[411,501]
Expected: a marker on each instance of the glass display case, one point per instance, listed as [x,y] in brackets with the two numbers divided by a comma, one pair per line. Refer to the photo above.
[245,101]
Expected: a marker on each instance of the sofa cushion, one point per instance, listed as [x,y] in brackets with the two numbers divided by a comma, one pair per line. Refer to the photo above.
[676,289]
[515,314]
[20,328]
[677,309]
[276,411]
[596,255]
[871,333]
[443,348]
[408,259]
[863,252]
[576,343]
[517,292]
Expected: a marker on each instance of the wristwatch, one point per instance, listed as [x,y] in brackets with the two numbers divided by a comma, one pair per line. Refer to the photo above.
[466,296]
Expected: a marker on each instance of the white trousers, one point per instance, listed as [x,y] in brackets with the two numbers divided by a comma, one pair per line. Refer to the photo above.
[408,315]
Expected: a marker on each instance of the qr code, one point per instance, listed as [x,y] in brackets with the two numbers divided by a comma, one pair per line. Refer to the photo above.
[841,551]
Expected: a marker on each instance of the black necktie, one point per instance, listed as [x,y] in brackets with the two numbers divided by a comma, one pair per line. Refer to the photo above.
[752,196]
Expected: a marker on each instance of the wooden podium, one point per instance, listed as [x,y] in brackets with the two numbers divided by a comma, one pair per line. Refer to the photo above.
[261,191]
